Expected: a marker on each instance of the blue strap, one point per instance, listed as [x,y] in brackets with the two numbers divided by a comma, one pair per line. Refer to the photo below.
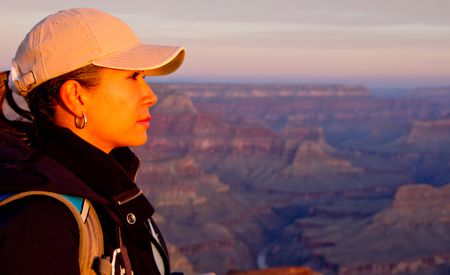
[5,196]
[76,201]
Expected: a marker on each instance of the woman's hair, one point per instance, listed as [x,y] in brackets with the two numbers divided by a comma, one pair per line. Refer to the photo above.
[41,100]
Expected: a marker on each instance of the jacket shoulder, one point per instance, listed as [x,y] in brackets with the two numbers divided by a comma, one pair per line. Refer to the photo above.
[40,230]
[90,235]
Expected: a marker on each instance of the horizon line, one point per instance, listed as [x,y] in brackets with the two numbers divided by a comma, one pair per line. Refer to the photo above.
[251,81]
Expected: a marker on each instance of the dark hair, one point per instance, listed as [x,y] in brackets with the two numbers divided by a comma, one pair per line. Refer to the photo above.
[41,100]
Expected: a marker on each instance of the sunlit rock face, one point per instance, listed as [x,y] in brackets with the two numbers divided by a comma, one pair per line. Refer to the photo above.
[430,135]
[247,176]
[316,156]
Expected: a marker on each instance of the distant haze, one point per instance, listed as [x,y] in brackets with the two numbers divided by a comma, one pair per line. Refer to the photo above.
[375,43]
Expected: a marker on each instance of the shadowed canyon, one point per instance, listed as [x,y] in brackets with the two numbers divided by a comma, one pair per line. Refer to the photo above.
[330,177]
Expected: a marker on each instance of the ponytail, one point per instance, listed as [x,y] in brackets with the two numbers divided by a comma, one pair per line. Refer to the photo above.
[22,127]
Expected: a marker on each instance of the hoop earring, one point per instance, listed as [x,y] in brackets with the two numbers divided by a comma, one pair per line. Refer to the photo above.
[83,121]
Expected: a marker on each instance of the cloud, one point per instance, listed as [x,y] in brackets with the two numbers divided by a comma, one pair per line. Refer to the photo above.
[343,12]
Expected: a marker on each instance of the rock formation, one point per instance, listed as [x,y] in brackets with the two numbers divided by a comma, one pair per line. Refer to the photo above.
[410,236]
[297,174]
[430,135]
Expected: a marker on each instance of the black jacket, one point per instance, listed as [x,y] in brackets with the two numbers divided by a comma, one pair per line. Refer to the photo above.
[38,235]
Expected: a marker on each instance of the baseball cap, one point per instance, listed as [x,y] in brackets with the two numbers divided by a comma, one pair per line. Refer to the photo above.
[73,38]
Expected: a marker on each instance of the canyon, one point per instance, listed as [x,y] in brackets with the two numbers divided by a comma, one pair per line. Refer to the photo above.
[330,177]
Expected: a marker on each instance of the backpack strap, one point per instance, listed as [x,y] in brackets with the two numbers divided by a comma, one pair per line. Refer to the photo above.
[91,246]
[80,204]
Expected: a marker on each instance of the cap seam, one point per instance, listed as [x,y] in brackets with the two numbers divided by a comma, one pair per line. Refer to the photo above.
[40,59]
[92,39]
[138,43]
[100,54]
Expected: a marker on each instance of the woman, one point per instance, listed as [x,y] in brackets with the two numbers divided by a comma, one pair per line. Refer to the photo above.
[81,72]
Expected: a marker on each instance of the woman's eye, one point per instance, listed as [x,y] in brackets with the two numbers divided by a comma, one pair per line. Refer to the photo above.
[137,75]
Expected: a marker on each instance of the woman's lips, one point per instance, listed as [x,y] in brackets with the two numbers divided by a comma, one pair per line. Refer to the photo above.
[145,121]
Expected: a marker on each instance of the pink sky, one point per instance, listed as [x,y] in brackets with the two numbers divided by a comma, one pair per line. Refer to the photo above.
[381,43]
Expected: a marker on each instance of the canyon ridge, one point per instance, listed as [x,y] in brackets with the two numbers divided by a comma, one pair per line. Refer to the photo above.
[336,178]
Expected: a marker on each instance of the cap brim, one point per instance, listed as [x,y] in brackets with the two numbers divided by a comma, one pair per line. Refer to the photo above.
[152,59]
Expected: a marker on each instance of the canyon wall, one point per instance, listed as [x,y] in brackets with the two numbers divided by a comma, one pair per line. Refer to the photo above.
[246,176]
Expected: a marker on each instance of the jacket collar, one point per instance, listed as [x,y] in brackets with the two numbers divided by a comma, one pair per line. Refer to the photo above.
[110,175]
[107,174]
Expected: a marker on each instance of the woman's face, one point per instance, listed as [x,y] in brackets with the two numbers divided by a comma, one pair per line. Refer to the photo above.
[117,110]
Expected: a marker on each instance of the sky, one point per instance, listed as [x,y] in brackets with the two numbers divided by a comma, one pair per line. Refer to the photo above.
[383,43]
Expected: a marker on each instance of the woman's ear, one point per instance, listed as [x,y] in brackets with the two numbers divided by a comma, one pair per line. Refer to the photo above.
[73,97]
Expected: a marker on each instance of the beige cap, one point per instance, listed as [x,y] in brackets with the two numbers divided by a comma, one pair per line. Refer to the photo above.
[70,39]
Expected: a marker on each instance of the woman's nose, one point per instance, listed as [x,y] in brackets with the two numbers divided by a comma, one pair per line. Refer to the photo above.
[150,97]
